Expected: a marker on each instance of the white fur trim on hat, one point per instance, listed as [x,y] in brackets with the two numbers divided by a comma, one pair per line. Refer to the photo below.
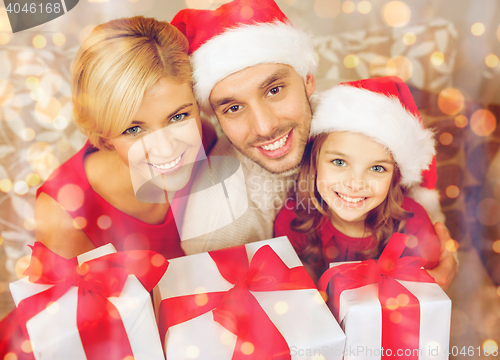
[381,118]
[249,45]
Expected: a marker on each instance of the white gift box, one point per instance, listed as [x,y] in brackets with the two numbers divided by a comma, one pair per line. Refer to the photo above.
[54,334]
[301,316]
[360,316]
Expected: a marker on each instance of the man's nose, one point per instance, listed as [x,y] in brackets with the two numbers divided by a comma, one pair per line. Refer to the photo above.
[264,120]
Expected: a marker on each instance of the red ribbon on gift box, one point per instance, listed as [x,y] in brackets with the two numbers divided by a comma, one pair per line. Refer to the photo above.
[400,308]
[237,309]
[99,324]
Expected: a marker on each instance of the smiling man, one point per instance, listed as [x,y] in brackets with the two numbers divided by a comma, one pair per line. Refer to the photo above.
[254,70]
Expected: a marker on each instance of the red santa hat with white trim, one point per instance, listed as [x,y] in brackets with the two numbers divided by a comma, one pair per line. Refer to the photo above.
[237,35]
[383,109]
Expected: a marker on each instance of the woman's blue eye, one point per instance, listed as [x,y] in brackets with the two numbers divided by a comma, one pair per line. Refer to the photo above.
[134,130]
[178,117]
[378,168]
[339,162]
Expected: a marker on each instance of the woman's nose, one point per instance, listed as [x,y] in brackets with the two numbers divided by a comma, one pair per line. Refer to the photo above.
[162,143]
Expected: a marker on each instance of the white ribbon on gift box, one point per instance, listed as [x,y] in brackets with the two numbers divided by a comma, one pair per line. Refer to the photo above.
[301,316]
[54,334]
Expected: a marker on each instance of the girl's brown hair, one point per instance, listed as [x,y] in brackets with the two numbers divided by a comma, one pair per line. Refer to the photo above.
[387,218]
[116,65]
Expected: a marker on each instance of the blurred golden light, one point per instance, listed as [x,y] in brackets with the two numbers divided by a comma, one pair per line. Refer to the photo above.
[351,61]
[483,122]
[396,13]
[490,345]
[396,317]
[226,337]
[326,8]
[412,242]
[488,212]
[477,29]
[28,134]
[403,299]
[496,246]
[26,346]
[157,260]
[5,38]
[318,298]
[20,187]
[10,356]
[247,348]
[364,7]
[51,109]
[446,138]
[37,94]
[63,145]
[378,66]
[6,91]
[400,66]
[79,223]
[6,185]
[281,307]
[39,41]
[332,251]
[437,58]
[491,60]
[461,121]
[451,245]
[450,101]
[104,221]
[71,197]
[60,122]
[391,303]
[452,191]
[246,12]
[192,352]
[32,179]
[409,38]
[29,224]
[59,39]
[21,265]
[32,82]
[348,6]
[201,299]
[198,4]
[41,158]
[52,307]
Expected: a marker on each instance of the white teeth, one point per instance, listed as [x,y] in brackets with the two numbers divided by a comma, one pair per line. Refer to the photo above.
[351,200]
[169,165]
[277,144]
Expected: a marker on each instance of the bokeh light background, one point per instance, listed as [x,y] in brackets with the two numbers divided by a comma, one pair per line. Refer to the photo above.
[446,50]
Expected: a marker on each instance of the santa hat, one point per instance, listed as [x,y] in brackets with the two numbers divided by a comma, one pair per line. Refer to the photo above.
[237,35]
[383,110]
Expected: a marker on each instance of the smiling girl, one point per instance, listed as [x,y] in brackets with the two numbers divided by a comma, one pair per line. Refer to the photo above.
[368,148]
[132,96]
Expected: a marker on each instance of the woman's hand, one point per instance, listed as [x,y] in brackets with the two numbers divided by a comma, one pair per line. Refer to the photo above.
[445,271]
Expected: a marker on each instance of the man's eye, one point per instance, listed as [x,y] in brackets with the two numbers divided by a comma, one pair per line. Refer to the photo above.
[233,109]
[178,117]
[134,130]
[339,162]
[378,168]
[275,90]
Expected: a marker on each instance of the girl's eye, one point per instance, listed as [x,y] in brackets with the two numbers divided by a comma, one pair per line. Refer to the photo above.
[134,130]
[233,109]
[178,117]
[275,90]
[339,162]
[378,168]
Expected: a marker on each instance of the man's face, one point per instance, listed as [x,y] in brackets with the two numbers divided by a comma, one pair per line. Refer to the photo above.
[264,110]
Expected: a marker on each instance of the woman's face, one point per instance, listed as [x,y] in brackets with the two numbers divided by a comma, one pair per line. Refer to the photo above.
[163,140]
[354,174]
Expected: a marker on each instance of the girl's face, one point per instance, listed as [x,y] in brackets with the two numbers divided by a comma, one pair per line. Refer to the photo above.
[354,174]
[163,140]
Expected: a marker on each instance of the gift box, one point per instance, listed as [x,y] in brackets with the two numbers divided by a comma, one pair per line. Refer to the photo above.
[390,307]
[254,301]
[90,307]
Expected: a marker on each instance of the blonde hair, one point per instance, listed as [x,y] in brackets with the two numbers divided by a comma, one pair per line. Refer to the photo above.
[116,65]
[384,220]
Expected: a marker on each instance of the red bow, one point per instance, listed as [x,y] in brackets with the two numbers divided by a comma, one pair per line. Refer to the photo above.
[100,327]
[400,308]
[237,309]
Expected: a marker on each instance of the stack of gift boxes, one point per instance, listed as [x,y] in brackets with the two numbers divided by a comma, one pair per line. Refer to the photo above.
[248,302]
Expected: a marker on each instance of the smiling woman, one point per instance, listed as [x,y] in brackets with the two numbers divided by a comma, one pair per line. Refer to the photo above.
[132,97]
